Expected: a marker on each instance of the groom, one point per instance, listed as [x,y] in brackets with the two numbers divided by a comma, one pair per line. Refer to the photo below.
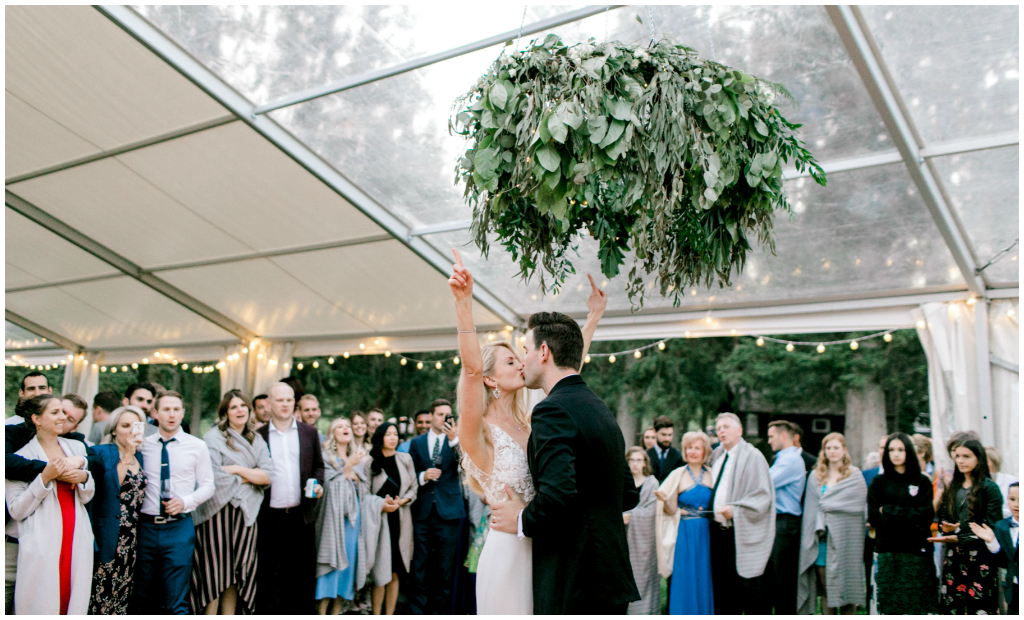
[577,460]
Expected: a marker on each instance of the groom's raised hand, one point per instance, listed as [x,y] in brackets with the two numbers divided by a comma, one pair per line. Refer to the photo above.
[505,515]
[598,299]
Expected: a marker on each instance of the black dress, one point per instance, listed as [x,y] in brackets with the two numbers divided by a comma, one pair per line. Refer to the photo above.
[392,487]
[900,510]
[969,576]
[112,583]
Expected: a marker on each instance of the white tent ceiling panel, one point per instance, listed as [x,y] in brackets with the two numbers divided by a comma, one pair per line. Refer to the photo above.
[237,181]
[118,312]
[957,67]
[109,202]
[266,299]
[866,231]
[79,69]
[39,256]
[384,284]
[19,337]
[984,188]
[309,46]
[33,140]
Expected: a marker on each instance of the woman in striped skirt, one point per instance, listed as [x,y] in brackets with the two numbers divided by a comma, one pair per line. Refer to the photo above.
[224,560]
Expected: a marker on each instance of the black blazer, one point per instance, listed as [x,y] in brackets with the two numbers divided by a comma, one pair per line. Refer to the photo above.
[673,461]
[1009,557]
[577,459]
[810,461]
[446,491]
[311,465]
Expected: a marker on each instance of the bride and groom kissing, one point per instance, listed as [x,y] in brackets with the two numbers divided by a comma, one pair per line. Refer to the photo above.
[556,480]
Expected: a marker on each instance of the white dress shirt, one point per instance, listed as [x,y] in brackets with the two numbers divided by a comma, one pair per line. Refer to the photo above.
[432,439]
[285,486]
[191,471]
[726,484]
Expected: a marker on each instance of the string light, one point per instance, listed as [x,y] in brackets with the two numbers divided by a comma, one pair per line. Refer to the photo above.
[404,361]
[316,364]
[387,354]
[611,359]
[437,365]
[419,365]
[854,345]
[760,342]
[661,346]
[135,366]
[790,347]
[821,348]
[184,366]
[330,360]
[456,361]
[586,360]
[145,360]
[362,346]
[637,354]
[887,337]
[299,366]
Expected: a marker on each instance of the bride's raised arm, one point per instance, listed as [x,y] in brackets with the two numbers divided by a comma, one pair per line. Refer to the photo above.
[471,386]
[596,304]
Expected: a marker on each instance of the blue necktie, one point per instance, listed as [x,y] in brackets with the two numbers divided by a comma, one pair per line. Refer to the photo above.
[165,473]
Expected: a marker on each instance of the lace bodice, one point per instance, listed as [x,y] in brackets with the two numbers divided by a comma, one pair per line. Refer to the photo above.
[510,467]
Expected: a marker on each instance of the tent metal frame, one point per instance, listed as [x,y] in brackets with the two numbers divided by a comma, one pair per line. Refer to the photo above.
[847,20]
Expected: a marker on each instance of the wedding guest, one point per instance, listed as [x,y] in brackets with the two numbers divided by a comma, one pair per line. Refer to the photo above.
[298,391]
[103,405]
[869,542]
[1004,540]
[788,477]
[309,412]
[969,584]
[945,476]
[224,561]
[337,520]
[1003,481]
[421,420]
[391,475]
[261,409]
[287,564]
[743,501]
[900,510]
[435,513]
[923,448]
[177,466]
[833,533]
[359,436]
[809,459]
[650,438]
[373,420]
[54,570]
[640,536]
[684,548]
[115,511]
[663,457]
[75,409]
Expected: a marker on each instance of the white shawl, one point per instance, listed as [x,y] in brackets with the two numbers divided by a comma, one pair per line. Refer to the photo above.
[752,497]
[667,526]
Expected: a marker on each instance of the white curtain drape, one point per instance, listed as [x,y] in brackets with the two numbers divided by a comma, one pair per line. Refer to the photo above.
[273,363]
[948,336]
[232,373]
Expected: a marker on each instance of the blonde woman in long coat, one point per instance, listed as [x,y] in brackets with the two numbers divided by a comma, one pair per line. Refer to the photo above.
[49,512]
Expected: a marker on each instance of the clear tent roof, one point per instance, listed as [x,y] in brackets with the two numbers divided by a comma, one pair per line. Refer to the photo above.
[147,205]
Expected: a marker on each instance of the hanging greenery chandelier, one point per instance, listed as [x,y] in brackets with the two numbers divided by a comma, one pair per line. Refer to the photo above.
[646,149]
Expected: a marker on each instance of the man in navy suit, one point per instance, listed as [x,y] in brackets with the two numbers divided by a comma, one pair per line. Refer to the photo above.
[1004,541]
[436,513]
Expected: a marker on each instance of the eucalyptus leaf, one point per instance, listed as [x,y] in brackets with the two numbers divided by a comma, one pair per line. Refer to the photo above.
[549,158]
[499,96]
[557,128]
[598,126]
[615,130]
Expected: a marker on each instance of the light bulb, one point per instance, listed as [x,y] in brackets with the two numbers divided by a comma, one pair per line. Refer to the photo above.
[175,362]
[419,365]
[854,346]
[661,346]
[508,328]
[245,349]
[316,364]
[636,354]
[687,334]
[920,324]
[345,354]
[790,347]
[330,360]
[437,365]
[387,354]
[134,366]
[887,337]
[586,360]
[733,332]
[184,366]
[456,360]
[113,369]
[611,359]
[1010,312]
[490,336]
[362,346]
[971,301]
[760,342]
[821,348]
[404,361]
[145,360]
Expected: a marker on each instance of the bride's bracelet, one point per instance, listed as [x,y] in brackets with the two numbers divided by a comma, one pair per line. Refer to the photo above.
[465,331]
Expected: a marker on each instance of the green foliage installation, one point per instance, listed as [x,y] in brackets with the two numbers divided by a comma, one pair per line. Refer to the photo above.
[650,150]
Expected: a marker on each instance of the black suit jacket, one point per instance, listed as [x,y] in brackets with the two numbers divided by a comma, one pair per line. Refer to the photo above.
[311,465]
[446,491]
[810,461]
[1009,559]
[577,459]
[673,461]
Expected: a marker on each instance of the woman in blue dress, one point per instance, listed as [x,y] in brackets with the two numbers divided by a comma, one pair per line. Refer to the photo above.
[684,498]
[337,523]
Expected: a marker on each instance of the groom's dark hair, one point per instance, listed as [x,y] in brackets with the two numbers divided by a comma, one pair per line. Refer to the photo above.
[562,335]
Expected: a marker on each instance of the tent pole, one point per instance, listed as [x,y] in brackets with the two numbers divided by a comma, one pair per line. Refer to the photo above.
[981,335]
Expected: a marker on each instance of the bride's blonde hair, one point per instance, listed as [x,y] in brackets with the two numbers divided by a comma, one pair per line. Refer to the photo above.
[518,409]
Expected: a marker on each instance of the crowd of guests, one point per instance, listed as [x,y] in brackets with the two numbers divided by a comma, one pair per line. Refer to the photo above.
[732,534]
[264,514]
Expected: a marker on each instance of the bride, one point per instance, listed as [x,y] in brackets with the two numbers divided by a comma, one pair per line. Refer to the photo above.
[494,430]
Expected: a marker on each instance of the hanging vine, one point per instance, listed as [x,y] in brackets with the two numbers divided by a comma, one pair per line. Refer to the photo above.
[650,150]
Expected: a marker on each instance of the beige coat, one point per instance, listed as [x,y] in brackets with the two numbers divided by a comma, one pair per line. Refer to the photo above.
[667,526]
[409,487]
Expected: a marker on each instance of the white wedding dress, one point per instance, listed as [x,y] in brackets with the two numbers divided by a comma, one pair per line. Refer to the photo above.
[504,576]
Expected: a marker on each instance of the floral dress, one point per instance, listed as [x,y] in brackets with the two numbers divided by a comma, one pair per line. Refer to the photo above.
[112,583]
